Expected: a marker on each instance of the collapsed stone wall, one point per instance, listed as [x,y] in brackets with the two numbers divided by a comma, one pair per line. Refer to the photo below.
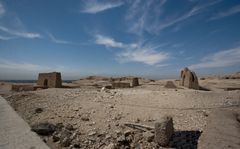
[52,80]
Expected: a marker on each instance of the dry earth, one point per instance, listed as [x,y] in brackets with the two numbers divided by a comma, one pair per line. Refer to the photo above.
[98,116]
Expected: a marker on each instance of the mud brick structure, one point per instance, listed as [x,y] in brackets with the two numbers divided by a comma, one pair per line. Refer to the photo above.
[120,85]
[135,82]
[51,80]
[189,79]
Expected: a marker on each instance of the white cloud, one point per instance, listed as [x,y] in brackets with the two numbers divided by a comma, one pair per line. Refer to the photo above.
[220,59]
[134,52]
[18,33]
[95,6]
[147,15]
[2,9]
[232,11]
[109,42]
[144,54]
[55,40]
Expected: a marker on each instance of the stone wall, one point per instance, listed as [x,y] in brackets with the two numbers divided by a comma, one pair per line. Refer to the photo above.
[17,87]
[189,79]
[51,80]
[120,85]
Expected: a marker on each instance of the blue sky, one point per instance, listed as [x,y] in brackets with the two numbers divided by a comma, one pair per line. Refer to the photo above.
[150,38]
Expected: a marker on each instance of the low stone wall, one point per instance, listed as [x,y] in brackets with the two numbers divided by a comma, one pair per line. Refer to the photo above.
[16,87]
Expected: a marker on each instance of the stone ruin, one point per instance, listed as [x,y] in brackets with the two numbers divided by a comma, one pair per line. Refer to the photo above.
[189,79]
[50,80]
[135,82]
[120,85]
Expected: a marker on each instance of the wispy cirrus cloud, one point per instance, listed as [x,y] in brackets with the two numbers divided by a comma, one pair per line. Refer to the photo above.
[24,70]
[224,58]
[6,64]
[58,41]
[148,15]
[232,11]
[134,52]
[19,33]
[96,6]
[6,38]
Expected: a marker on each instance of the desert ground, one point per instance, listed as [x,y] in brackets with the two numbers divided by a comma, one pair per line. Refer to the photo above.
[89,116]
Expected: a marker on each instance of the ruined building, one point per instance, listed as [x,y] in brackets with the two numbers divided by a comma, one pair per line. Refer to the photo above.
[189,79]
[51,80]
[135,82]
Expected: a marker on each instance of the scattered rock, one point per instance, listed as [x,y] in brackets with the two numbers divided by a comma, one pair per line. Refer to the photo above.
[121,139]
[92,133]
[69,127]
[65,142]
[55,137]
[127,133]
[164,131]
[85,118]
[44,128]
[59,126]
[148,136]
[65,138]
[110,146]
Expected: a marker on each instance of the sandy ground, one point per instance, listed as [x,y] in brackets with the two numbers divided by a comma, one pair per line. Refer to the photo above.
[98,116]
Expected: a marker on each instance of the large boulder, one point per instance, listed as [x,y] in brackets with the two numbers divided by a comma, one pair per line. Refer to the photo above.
[189,79]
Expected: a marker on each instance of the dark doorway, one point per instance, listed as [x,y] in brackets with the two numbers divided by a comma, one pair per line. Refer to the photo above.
[45,83]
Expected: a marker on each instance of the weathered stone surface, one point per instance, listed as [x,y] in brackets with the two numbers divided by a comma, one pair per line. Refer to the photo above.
[52,80]
[170,84]
[189,79]
[135,82]
[44,128]
[164,131]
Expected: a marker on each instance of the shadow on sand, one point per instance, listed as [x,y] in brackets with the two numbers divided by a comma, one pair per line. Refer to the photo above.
[185,140]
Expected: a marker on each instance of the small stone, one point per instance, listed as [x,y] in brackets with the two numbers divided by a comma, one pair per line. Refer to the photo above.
[121,139]
[59,126]
[164,131]
[69,127]
[92,133]
[65,142]
[44,128]
[55,138]
[38,110]
[108,137]
[110,146]
[127,133]
[84,118]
